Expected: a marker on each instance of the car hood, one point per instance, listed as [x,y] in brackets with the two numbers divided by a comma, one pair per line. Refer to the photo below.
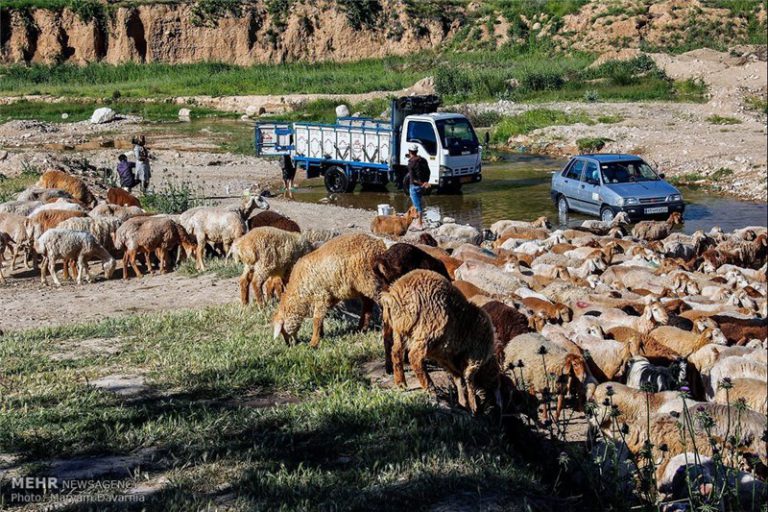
[643,189]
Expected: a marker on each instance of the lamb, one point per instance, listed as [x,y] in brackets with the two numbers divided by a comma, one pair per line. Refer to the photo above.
[653,315]
[218,225]
[120,197]
[273,219]
[23,208]
[753,392]
[567,367]
[686,343]
[22,231]
[653,230]
[507,322]
[51,218]
[267,252]
[120,212]
[59,204]
[394,225]
[103,228]
[641,372]
[488,277]
[71,245]
[400,259]
[436,322]
[498,227]
[147,235]
[71,184]
[339,270]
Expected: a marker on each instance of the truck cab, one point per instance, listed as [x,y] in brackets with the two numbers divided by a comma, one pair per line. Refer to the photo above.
[449,145]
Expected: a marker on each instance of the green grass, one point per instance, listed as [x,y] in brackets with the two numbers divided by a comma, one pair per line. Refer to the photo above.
[222,268]
[80,111]
[721,173]
[757,103]
[534,119]
[592,144]
[340,440]
[716,119]
[610,119]
[10,187]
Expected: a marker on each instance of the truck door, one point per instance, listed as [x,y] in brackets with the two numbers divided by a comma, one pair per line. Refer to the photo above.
[424,135]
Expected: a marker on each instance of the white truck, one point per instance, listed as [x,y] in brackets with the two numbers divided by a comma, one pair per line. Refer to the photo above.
[373,152]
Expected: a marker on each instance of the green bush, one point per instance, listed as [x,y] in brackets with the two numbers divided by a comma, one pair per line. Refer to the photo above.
[721,173]
[171,199]
[716,119]
[533,120]
[542,80]
[361,13]
[592,144]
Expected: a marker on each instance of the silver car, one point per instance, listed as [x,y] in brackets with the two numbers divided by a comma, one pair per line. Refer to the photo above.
[604,185]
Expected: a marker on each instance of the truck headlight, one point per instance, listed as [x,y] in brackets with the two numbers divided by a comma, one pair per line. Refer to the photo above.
[445,171]
[675,198]
[479,168]
[630,200]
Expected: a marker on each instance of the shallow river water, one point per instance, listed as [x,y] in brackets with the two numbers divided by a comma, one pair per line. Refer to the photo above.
[517,187]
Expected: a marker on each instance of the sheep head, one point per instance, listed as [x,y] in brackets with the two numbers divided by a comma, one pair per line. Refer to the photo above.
[542,222]
[675,218]
[656,312]
[715,335]
[109,268]
[286,324]
[563,313]
[620,218]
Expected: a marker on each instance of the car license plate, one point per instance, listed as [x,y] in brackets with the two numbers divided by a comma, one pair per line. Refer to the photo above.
[659,209]
[466,179]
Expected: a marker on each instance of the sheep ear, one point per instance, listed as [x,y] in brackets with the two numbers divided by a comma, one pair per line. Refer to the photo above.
[278,329]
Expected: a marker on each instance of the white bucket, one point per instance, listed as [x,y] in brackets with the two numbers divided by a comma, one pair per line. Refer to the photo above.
[385,209]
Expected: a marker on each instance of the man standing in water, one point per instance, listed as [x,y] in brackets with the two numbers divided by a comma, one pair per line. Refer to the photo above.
[418,176]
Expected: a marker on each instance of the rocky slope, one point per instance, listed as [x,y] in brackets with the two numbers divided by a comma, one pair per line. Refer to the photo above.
[260,31]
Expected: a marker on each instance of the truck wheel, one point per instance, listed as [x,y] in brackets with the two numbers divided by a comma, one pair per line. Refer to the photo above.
[337,181]
[562,205]
[607,214]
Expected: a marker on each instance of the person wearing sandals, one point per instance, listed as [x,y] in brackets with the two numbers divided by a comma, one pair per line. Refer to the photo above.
[418,177]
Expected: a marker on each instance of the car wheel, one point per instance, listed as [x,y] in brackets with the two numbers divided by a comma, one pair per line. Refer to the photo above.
[607,214]
[337,181]
[562,206]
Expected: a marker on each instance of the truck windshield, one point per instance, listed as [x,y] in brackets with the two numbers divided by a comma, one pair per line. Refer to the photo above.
[623,172]
[456,132]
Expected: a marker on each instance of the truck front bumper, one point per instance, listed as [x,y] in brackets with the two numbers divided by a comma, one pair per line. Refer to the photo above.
[453,181]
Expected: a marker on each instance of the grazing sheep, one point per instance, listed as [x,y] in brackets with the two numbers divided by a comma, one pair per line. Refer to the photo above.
[147,235]
[394,225]
[121,197]
[71,245]
[5,242]
[23,208]
[58,204]
[400,259]
[567,367]
[339,270]
[51,218]
[507,322]
[753,392]
[22,231]
[273,219]
[436,322]
[71,184]
[655,230]
[498,227]
[640,372]
[103,228]
[267,252]
[120,212]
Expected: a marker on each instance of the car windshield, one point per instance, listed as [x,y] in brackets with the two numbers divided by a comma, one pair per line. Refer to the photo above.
[629,171]
[456,131]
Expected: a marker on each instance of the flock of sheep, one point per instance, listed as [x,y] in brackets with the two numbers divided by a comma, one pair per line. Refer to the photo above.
[601,314]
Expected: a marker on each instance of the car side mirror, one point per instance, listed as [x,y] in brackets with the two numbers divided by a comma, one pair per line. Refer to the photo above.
[662,175]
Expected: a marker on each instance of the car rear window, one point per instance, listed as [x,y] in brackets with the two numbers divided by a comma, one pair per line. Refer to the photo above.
[574,170]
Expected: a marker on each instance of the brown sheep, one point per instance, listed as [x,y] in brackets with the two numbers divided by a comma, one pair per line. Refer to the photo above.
[48,219]
[748,254]
[339,270]
[427,239]
[394,225]
[120,197]
[400,259]
[654,230]
[147,235]
[521,233]
[507,322]
[469,290]
[558,313]
[740,330]
[273,219]
[71,184]
[436,322]
[451,263]
[121,212]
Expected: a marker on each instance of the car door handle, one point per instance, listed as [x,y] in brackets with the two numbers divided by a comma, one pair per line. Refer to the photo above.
[582,186]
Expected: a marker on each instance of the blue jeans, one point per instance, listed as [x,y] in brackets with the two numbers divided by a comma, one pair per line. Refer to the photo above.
[416,197]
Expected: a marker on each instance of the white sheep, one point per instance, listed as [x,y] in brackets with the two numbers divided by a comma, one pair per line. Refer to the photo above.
[500,226]
[488,277]
[66,245]
[22,231]
[103,228]
[19,207]
[457,234]
[59,204]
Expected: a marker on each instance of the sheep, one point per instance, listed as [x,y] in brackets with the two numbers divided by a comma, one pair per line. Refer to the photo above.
[456,233]
[607,358]
[498,227]
[632,404]
[557,313]
[753,392]
[469,290]
[738,330]
[120,212]
[5,242]
[683,342]
[265,253]
[147,235]
[71,184]
[121,197]
[273,219]
[394,225]
[567,367]
[507,322]
[640,372]
[599,226]
[23,208]
[22,231]
[218,225]
[431,317]
[653,230]
[42,194]
[653,315]
[749,254]
[59,204]
[51,218]
[451,263]
[743,367]
[399,259]
[339,270]
[71,245]
[103,228]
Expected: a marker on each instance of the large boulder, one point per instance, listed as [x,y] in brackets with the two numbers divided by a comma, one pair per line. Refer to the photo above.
[342,111]
[102,115]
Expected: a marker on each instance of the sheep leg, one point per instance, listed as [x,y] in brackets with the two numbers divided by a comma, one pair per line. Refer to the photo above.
[257,283]
[162,256]
[52,271]
[397,359]
[200,250]
[469,378]
[317,325]
[416,355]
[125,265]
[387,335]
[134,265]
[148,261]
[365,314]
[80,269]
[43,280]
[460,392]
[245,283]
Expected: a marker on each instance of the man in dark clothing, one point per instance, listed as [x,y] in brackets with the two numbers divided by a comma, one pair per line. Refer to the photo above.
[289,172]
[125,172]
[418,176]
